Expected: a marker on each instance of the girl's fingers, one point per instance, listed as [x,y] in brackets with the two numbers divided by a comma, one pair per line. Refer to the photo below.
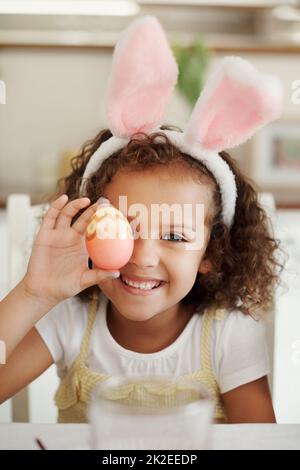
[91,277]
[80,225]
[65,217]
[52,213]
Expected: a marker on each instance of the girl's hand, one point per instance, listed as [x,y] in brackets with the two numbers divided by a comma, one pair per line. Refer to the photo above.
[58,266]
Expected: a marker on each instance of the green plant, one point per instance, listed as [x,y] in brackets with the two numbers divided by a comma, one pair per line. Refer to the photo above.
[192,63]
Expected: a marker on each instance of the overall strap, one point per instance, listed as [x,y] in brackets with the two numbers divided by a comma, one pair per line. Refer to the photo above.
[207,320]
[209,316]
[87,334]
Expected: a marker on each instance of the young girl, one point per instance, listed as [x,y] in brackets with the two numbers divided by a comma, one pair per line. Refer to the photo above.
[191,313]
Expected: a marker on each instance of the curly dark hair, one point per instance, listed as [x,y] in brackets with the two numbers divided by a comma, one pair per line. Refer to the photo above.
[245,268]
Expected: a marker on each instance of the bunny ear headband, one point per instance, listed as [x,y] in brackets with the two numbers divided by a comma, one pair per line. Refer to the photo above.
[236,101]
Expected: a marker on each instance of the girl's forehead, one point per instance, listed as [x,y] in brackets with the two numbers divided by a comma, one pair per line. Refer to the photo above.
[157,187]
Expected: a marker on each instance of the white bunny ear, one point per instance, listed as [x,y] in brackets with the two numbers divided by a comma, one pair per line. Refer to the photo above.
[144,73]
[236,101]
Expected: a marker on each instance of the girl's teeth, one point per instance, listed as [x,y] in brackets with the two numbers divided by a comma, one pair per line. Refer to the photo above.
[143,285]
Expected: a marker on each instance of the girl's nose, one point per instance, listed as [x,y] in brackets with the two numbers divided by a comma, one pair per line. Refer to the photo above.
[145,253]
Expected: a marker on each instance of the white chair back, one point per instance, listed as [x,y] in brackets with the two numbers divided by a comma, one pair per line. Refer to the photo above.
[23,221]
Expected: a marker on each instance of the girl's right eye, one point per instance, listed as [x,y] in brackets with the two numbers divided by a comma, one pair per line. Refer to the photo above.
[181,239]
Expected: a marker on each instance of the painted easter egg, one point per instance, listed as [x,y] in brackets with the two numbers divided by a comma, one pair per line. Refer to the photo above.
[109,238]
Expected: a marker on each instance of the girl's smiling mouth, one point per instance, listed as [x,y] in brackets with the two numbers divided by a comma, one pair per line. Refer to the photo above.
[145,288]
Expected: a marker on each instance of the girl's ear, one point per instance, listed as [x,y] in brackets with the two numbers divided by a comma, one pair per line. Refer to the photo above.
[205,266]
[143,76]
[236,101]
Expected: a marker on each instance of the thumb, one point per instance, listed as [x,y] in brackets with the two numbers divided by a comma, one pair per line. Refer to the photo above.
[91,277]
[103,201]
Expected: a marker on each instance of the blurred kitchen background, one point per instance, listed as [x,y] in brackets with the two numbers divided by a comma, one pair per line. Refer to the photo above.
[55,57]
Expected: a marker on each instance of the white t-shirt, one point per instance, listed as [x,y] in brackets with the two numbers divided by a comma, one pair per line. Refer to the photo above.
[238,346]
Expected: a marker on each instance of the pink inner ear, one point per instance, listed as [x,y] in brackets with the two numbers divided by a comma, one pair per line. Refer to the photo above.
[143,77]
[229,114]
[131,116]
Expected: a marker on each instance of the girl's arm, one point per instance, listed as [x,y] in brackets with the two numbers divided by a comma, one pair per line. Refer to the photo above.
[26,355]
[19,311]
[250,403]
[29,359]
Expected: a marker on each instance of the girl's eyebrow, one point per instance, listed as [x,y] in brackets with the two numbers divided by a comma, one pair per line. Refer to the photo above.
[131,217]
[183,227]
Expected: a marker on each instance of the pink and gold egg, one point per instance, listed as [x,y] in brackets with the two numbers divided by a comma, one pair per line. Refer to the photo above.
[109,238]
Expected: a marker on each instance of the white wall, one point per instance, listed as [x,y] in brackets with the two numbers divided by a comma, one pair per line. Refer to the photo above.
[54,103]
